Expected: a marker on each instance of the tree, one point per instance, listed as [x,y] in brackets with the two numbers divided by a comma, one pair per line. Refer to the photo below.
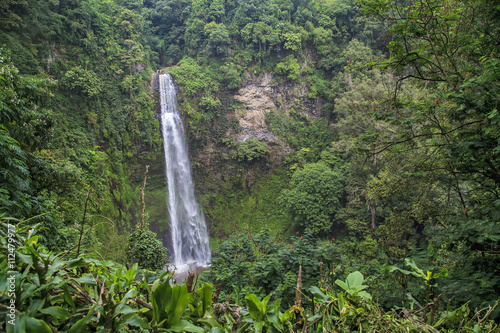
[313,197]
[359,89]
[251,150]
[218,38]
[143,246]
[24,129]
[289,68]
[448,136]
[146,250]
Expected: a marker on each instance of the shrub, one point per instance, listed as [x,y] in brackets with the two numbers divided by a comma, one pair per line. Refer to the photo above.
[289,68]
[146,250]
[313,197]
[251,149]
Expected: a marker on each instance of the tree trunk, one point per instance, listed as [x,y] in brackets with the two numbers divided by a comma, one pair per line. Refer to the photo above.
[373,215]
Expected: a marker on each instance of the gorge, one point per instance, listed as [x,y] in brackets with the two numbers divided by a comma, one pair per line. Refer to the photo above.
[339,158]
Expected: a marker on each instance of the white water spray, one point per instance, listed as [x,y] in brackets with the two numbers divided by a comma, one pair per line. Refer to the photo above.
[187,223]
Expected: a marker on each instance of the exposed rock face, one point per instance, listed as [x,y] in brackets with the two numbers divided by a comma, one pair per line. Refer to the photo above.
[215,163]
[257,97]
[261,95]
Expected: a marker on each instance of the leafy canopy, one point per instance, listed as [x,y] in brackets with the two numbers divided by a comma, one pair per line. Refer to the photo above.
[313,197]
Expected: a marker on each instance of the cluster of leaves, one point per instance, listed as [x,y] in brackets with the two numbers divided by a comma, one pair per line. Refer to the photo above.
[146,250]
[52,293]
[25,128]
[288,288]
[251,150]
[97,53]
[267,265]
[313,197]
[31,173]
[440,166]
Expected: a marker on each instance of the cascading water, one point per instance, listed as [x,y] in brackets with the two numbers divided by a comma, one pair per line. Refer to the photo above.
[187,224]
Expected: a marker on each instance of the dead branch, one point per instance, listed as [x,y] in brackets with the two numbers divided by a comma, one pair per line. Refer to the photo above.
[231,309]
[143,202]
[298,292]
[141,302]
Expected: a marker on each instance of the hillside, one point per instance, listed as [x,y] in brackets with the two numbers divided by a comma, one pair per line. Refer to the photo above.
[328,137]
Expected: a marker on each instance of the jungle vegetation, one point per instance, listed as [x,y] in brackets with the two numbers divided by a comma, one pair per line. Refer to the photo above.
[378,210]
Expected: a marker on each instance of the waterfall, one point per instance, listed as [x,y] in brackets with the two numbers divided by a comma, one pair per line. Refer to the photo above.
[187,223]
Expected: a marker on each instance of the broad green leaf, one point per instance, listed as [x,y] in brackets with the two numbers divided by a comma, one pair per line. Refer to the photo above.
[35,304]
[275,307]
[133,320]
[259,325]
[67,296]
[29,289]
[211,322]
[404,271]
[186,326]
[410,262]
[36,326]
[319,296]
[131,273]
[55,266]
[286,316]
[341,303]
[355,279]
[178,305]
[137,321]
[130,294]
[254,306]
[264,304]
[313,318]
[56,312]
[20,323]
[217,330]
[248,319]
[97,262]
[87,279]
[443,273]
[123,309]
[274,319]
[342,284]
[33,240]
[25,258]
[195,301]
[81,325]
[162,296]
[3,278]
[205,293]
[195,306]
[78,262]
[364,294]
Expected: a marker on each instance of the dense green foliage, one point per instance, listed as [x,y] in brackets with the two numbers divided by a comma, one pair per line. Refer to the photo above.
[81,294]
[267,266]
[25,130]
[251,150]
[73,295]
[84,119]
[313,197]
[374,164]
[146,250]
